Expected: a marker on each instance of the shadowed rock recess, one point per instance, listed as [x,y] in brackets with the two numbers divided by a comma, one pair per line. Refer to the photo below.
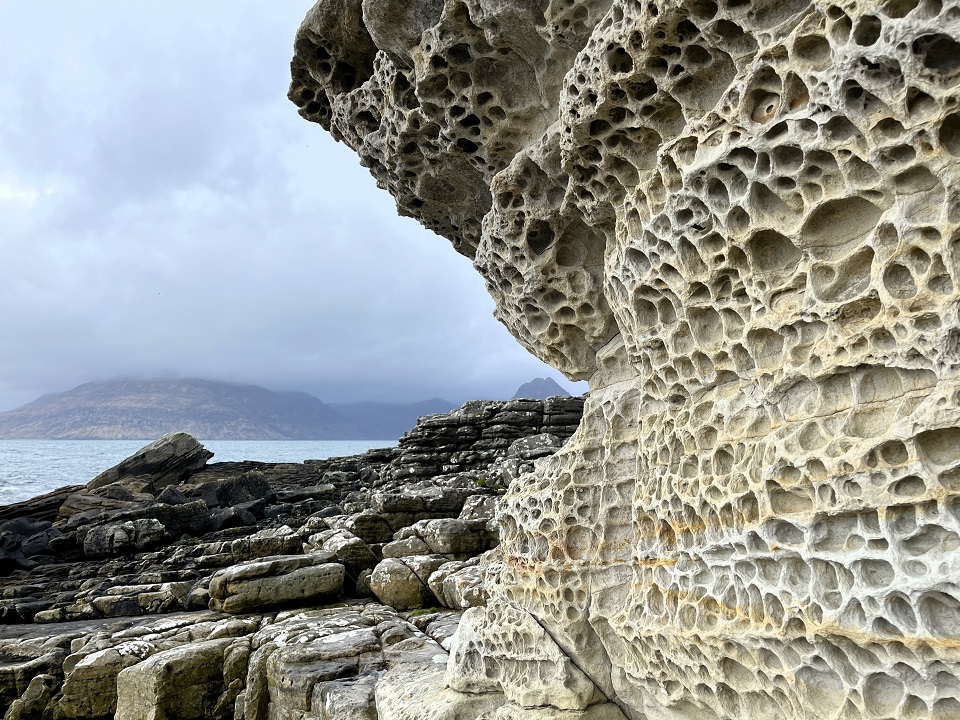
[739,219]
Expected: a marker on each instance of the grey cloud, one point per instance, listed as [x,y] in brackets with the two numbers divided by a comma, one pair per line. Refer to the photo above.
[164,211]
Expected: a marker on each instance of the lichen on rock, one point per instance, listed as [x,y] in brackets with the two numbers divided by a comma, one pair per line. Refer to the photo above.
[740,221]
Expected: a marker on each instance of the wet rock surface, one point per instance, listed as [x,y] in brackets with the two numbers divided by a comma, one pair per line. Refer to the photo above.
[205,590]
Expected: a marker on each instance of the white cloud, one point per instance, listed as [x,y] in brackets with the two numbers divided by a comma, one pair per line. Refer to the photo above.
[17,192]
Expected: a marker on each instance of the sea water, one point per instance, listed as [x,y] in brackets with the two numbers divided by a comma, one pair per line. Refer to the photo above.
[34,467]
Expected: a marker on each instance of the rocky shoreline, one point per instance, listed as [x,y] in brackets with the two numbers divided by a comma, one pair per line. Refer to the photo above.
[323,589]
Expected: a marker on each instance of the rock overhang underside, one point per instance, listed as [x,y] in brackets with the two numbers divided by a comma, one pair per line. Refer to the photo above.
[740,220]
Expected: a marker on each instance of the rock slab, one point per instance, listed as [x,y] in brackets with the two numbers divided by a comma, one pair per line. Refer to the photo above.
[276,581]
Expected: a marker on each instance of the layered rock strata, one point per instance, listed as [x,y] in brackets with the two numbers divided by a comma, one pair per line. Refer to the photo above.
[164,532]
[254,590]
[740,221]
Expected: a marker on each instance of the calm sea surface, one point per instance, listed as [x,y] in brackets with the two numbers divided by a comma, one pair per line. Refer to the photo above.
[33,467]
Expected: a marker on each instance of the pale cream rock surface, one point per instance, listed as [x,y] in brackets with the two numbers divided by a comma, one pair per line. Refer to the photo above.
[603,711]
[413,686]
[276,581]
[420,693]
[505,647]
[183,683]
[90,672]
[459,584]
[90,677]
[403,583]
[328,663]
[740,221]
[351,699]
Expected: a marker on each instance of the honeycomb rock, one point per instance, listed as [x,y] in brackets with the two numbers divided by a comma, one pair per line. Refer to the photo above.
[740,220]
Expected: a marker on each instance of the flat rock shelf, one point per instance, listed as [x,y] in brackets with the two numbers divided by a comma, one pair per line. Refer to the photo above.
[167,587]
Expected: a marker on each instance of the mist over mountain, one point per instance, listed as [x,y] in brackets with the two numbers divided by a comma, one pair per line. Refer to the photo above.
[389,420]
[207,409]
[540,388]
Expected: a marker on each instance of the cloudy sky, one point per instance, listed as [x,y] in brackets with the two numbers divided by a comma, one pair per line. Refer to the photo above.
[164,211]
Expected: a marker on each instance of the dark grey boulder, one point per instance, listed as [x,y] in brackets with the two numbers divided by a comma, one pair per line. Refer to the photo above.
[232,517]
[24,541]
[171,495]
[39,543]
[191,517]
[230,491]
[25,526]
[167,461]
[11,556]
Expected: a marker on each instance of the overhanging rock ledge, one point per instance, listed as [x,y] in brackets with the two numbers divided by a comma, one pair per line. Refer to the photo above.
[739,220]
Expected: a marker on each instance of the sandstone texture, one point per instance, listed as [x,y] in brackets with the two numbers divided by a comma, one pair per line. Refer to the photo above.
[740,221]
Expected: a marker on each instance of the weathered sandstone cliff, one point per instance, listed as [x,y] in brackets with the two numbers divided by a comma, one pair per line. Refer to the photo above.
[740,220]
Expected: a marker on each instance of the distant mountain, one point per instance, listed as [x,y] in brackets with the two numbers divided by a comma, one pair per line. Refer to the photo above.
[540,388]
[390,420]
[210,410]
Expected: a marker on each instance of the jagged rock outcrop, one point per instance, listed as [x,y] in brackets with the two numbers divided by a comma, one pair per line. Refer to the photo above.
[740,222]
[166,461]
